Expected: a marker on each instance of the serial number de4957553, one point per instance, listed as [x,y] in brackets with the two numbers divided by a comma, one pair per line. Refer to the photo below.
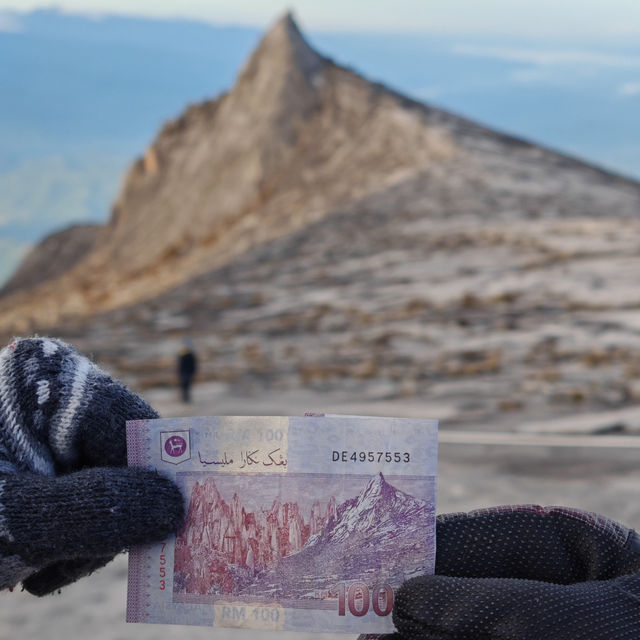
[370,456]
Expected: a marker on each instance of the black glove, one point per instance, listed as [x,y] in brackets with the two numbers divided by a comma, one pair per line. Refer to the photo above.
[526,573]
[67,504]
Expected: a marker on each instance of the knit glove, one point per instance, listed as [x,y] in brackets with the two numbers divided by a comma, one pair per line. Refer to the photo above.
[526,573]
[68,504]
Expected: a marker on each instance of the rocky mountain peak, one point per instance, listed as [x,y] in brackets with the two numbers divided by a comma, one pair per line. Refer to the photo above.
[372,529]
[207,493]
[284,49]
[303,153]
[277,87]
[377,487]
[377,502]
[296,138]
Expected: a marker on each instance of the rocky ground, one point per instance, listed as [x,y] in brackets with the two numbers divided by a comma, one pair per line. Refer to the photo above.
[470,476]
[494,325]
[397,255]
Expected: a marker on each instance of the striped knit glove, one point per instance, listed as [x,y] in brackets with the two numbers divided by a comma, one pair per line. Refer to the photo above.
[526,573]
[68,504]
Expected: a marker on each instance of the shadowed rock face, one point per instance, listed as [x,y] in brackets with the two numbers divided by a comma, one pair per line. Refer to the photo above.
[56,254]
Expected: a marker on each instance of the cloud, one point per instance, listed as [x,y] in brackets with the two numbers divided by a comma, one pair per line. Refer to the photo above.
[530,75]
[549,57]
[9,23]
[629,89]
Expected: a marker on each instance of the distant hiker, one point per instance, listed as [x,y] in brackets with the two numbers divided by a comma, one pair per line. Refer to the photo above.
[187,368]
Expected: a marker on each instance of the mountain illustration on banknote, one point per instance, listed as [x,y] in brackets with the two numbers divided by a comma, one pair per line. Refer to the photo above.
[301,551]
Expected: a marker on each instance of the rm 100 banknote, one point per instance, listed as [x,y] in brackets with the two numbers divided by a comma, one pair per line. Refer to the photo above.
[302,524]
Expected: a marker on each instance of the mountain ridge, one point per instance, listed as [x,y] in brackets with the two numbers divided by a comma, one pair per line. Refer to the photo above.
[224,548]
[381,535]
[55,254]
[296,139]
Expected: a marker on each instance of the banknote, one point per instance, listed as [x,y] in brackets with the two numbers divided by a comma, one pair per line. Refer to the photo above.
[292,523]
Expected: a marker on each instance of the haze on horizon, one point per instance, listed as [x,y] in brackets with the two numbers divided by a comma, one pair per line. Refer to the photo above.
[569,19]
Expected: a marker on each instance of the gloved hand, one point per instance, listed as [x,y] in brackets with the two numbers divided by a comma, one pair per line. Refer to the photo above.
[526,573]
[67,502]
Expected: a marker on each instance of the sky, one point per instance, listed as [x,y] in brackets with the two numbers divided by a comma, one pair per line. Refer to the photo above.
[571,19]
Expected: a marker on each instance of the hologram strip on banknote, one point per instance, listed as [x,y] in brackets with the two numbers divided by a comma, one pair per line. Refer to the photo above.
[300,523]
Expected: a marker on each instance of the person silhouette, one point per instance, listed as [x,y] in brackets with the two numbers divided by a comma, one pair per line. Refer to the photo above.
[187,368]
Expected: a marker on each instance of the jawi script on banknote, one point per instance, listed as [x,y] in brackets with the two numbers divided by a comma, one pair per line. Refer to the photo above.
[305,524]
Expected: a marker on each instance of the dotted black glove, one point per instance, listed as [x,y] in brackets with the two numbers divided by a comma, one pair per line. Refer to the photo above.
[67,502]
[526,573]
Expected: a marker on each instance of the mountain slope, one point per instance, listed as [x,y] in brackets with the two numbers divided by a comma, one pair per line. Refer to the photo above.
[377,535]
[54,255]
[499,293]
[360,243]
[297,137]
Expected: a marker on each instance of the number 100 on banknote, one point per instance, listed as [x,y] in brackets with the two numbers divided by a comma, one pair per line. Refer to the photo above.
[292,523]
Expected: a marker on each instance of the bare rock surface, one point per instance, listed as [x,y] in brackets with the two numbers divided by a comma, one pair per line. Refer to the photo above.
[491,324]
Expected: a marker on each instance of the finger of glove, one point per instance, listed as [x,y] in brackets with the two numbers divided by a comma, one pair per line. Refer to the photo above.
[441,607]
[62,573]
[100,429]
[60,411]
[93,512]
[553,544]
